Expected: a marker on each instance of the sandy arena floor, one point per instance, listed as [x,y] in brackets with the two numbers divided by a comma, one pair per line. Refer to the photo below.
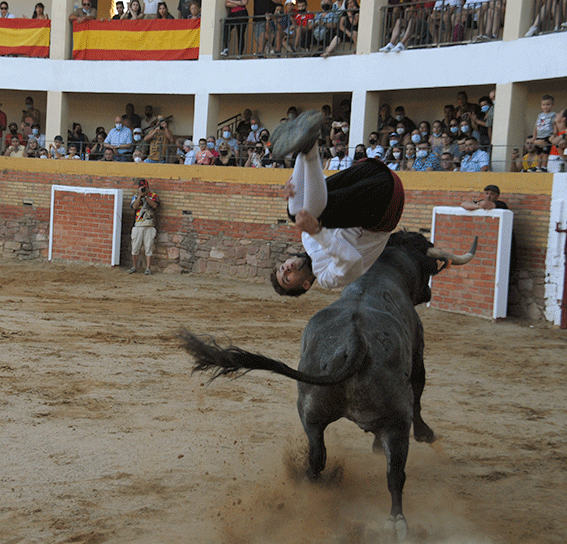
[106,437]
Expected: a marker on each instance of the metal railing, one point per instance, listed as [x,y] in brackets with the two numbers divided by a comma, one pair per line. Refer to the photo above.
[278,35]
[548,16]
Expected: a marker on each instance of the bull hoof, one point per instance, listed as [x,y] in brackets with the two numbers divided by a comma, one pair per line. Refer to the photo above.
[424,434]
[397,526]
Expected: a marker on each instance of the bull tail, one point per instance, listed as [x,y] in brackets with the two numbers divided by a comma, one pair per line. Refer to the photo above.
[235,362]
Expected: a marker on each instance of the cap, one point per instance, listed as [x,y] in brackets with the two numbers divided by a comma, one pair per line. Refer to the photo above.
[137,131]
[493,188]
[188,143]
[142,183]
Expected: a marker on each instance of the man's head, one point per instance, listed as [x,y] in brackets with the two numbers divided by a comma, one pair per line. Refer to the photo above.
[491,193]
[129,109]
[247,114]
[449,111]
[294,277]
[471,146]
[13,128]
[400,113]
[58,140]
[226,134]
[373,138]
[340,150]
[301,5]
[254,123]
[118,122]
[143,184]
[447,162]
[120,7]
[4,7]
[530,146]
[108,154]
[422,150]
[187,145]
[149,111]
[462,98]
[72,149]
[291,112]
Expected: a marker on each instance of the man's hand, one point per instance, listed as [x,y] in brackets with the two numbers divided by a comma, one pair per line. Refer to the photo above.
[306,222]
[289,189]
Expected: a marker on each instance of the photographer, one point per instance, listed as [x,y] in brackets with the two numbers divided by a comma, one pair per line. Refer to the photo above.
[145,204]
[159,138]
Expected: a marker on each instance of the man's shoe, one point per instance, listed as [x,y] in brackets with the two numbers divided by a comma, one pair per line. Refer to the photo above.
[530,32]
[224,52]
[148,272]
[300,134]
[132,270]
[399,47]
[387,48]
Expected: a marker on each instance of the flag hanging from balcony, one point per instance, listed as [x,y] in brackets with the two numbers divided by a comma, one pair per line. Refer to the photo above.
[148,39]
[25,37]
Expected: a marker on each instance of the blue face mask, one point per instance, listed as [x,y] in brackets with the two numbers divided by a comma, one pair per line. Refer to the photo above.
[421,153]
[226,134]
[465,128]
[424,134]
[254,127]
[118,126]
[484,109]
[454,130]
[416,138]
[393,143]
[210,145]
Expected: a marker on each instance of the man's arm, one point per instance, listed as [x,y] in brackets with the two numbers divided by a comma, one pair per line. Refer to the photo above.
[480,205]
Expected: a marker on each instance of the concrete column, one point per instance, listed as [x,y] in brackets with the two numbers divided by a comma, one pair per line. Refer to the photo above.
[508,129]
[57,115]
[363,117]
[206,116]
[61,29]
[212,13]
[369,26]
[518,18]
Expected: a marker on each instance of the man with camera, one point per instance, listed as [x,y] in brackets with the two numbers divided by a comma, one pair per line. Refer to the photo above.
[159,138]
[145,204]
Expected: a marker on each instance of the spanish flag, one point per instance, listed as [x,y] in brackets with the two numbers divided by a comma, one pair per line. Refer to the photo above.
[26,37]
[147,39]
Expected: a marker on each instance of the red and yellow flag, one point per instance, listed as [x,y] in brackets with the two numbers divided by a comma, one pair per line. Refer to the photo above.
[148,39]
[26,37]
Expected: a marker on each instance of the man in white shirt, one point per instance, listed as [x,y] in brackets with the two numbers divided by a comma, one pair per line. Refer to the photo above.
[345,220]
[375,151]
[342,161]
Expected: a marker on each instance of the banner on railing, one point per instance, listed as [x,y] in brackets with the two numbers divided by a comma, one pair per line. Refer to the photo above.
[25,37]
[151,39]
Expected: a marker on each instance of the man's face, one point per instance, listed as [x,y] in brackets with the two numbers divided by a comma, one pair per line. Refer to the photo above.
[72,150]
[491,196]
[149,111]
[118,120]
[108,155]
[546,105]
[530,144]
[449,113]
[471,146]
[423,147]
[294,273]
[446,162]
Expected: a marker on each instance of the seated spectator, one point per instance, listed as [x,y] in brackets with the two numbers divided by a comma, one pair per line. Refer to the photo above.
[119,11]
[73,153]
[324,26]
[13,131]
[57,149]
[159,139]
[120,139]
[149,120]
[448,115]
[32,149]
[255,130]
[548,12]
[529,162]
[4,13]
[135,12]
[151,9]
[99,130]
[412,26]
[84,13]
[227,137]
[348,28]
[36,135]
[179,157]
[447,162]
[190,157]
[108,155]
[43,153]
[226,156]
[340,132]
[131,116]
[416,137]
[212,146]
[425,130]
[440,20]
[163,12]
[436,139]
[425,161]
[409,157]
[276,27]
[403,133]
[359,153]
[137,156]
[474,159]
[453,129]
[450,145]
[15,149]
[375,151]
[341,161]
[465,132]
[394,159]
[77,138]
[255,156]
[139,144]
[303,22]
[264,137]
[393,141]
[97,150]
[204,155]
[386,124]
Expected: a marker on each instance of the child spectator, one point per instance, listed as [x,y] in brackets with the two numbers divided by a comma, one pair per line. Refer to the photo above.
[204,155]
[543,129]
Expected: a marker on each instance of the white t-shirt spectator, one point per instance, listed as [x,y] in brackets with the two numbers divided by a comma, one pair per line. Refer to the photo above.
[340,164]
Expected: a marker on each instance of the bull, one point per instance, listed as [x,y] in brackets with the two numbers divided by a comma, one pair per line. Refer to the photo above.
[361,358]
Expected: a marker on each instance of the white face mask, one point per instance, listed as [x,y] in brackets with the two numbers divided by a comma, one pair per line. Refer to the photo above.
[137,137]
[400,131]
[421,153]
[416,138]
[345,129]
[137,159]
[226,134]
[397,155]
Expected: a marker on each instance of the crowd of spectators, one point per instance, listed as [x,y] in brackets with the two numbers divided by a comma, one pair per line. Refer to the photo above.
[139,9]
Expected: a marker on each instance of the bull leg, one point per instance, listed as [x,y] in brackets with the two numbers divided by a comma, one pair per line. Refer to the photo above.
[317,451]
[396,445]
[421,431]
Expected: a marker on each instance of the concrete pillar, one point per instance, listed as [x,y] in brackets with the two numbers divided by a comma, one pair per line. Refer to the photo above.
[57,115]
[206,116]
[508,129]
[212,14]
[518,18]
[61,29]
[369,26]
[363,117]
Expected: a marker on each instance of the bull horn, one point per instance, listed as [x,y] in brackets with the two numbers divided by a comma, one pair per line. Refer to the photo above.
[455,259]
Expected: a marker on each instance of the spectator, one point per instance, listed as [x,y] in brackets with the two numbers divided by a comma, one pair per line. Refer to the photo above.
[3,123]
[137,156]
[415,136]
[479,122]
[255,130]
[13,131]
[395,159]
[386,124]
[303,22]
[529,162]
[440,26]
[73,153]
[211,146]
[341,161]
[134,12]
[340,132]
[144,203]
[425,161]
[108,155]
[97,150]
[324,25]
[489,202]
[393,141]
[411,25]
[237,18]
[425,130]
[189,152]
[227,137]
[4,13]
[436,138]
[403,133]
[151,10]
[360,153]
[348,28]
[464,109]
[119,11]
[263,9]
[159,139]
[375,151]
[15,149]
[548,11]
[57,149]
[556,160]
[226,157]
[447,162]
[244,127]
[162,12]
[39,12]
[30,116]
[36,135]
[43,154]
[448,115]
[450,145]
[204,155]
[277,26]
[133,117]
[474,159]
[465,133]
[84,13]
[264,137]
[179,157]
[149,121]
[255,156]
[120,139]
[194,10]
[77,138]
[409,157]
[453,129]
[543,129]
[139,144]
[183,9]
[400,115]
[32,149]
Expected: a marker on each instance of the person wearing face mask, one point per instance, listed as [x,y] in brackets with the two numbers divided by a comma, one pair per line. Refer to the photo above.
[448,115]
[137,156]
[425,161]
[255,129]
[360,153]
[416,136]
[139,143]
[226,157]
[409,157]
[15,149]
[78,138]
[401,117]
[436,138]
[403,134]
[226,136]
[425,130]
[159,139]
[375,151]
[32,149]
[339,132]
[36,135]
[394,160]
[341,161]
[190,158]
[84,13]
[479,122]
[120,140]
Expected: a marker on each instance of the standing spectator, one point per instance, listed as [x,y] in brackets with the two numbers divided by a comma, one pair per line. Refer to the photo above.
[529,162]
[30,116]
[303,26]
[543,129]
[348,28]
[324,26]
[119,11]
[227,137]
[204,155]
[145,204]
[386,124]
[12,131]
[15,149]
[479,122]
[3,122]
[341,161]
[448,116]
[135,11]
[159,139]
[133,117]
[474,159]
[556,161]
[244,127]
[255,130]
[375,151]
[162,12]
[425,161]
[189,152]
[77,138]
[84,13]
[149,121]
[39,12]
[237,18]
[120,139]
[464,109]
[400,115]
[262,10]
[151,9]
[4,13]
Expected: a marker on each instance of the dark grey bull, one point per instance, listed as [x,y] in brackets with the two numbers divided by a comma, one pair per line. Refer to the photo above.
[361,358]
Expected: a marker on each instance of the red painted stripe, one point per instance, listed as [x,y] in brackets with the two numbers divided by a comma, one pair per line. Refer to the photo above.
[145,25]
[26,50]
[119,54]
[25,23]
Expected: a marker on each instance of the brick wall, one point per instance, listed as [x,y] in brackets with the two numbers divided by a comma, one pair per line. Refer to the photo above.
[233,221]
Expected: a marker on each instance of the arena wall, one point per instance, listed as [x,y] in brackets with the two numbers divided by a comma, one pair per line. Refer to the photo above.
[233,221]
